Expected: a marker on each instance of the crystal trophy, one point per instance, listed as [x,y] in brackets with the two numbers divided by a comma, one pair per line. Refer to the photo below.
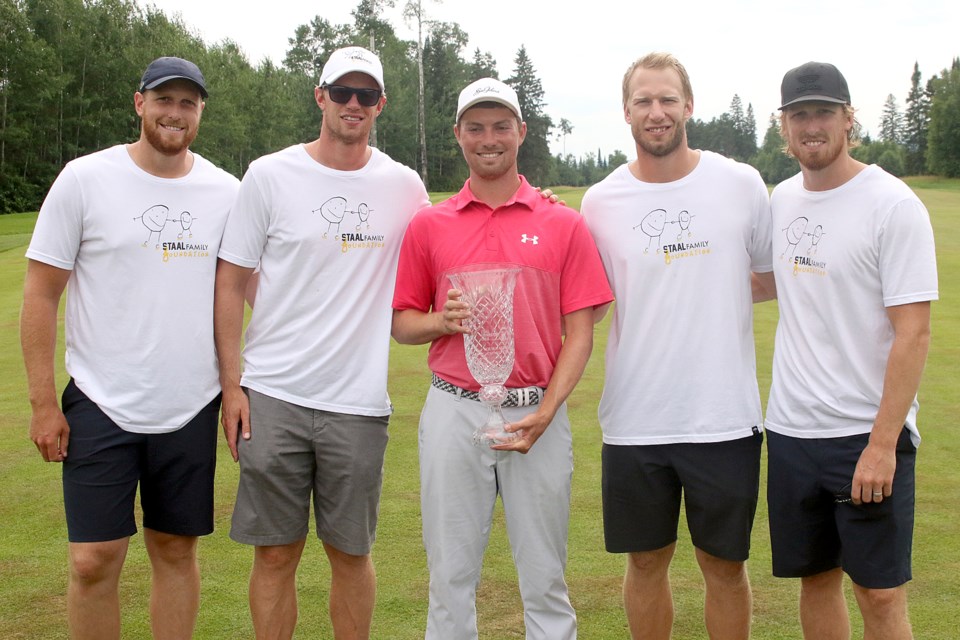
[489,345]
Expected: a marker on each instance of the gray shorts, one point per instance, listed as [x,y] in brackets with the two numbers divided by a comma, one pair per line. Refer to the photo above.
[296,450]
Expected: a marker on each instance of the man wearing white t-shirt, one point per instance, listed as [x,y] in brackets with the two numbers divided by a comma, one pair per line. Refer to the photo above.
[682,234]
[134,231]
[323,221]
[856,271]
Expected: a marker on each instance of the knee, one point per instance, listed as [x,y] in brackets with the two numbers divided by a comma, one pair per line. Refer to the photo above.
[727,573]
[169,549]
[825,583]
[94,563]
[278,558]
[650,563]
[341,562]
[881,603]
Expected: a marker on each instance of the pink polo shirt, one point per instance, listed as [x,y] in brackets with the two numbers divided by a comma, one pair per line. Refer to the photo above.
[560,273]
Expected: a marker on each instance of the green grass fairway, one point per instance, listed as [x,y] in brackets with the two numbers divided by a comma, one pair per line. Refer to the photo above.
[33,560]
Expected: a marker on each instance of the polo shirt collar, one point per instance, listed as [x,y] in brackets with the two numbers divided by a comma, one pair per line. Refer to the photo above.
[525,196]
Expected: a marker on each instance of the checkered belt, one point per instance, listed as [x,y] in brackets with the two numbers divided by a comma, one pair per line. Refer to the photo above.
[525,397]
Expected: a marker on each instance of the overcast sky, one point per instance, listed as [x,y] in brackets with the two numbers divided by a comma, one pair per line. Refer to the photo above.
[580,54]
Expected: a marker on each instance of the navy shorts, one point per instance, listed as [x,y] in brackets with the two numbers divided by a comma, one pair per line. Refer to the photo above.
[105,464]
[814,527]
[718,483]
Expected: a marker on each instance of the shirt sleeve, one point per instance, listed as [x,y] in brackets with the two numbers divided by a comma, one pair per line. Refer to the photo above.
[57,234]
[908,261]
[761,241]
[583,282]
[245,234]
[415,279]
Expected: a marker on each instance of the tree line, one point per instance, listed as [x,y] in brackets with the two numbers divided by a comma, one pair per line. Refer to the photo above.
[68,69]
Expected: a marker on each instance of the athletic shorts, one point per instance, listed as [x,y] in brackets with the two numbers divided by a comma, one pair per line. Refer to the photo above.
[105,464]
[815,527]
[296,451]
[718,481]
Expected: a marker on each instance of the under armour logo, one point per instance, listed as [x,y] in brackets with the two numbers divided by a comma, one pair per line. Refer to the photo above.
[534,239]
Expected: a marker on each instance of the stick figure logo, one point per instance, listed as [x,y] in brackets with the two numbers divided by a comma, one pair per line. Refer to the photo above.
[156,218]
[334,210]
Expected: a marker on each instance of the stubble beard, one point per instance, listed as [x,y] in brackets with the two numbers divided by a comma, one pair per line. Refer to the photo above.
[155,139]
[819,159]
[660,150]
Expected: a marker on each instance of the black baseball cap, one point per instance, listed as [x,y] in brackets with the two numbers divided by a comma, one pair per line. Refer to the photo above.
[169,68]
[814,81]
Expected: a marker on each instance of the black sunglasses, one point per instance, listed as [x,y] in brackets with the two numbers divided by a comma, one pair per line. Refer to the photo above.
[342,95]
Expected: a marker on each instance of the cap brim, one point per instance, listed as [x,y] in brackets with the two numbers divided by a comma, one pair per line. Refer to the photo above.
[365,71]
[811,99]
[156,83]
[485,98]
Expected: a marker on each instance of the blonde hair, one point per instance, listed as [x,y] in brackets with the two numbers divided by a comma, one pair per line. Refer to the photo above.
[658,60]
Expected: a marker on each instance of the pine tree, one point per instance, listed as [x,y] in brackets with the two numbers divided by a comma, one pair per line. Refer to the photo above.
[483,66]
[891,122]
[943,138]
[534,159]
[916,123]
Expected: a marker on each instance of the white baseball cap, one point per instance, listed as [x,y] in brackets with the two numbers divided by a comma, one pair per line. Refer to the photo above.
[488,90]
[350,59]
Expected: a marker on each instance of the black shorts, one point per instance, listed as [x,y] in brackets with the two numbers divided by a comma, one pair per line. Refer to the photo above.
[814,527]
[105,464]
[718,482]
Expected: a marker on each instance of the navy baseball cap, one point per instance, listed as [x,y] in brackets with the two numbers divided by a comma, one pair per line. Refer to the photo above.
[169,68]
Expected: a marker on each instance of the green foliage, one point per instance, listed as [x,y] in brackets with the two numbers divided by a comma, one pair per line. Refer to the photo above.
[943,137]
[534,159]
[587,170]
[916,121]
[888,155]
[448,74]
[771,160]
[732,134]
[69,68]
[891,121]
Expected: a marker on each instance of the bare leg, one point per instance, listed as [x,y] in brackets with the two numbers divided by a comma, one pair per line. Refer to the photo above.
[175,589]
[884,613]
[353,592]
[647,598]
[93,600]
[273,590]
[823,609]
[729,603]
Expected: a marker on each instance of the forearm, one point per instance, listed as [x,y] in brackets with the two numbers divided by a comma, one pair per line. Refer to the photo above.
[228,302]
[571,362]
[763,286]
[411,326]
[905,365]
[38,341]
[43,287]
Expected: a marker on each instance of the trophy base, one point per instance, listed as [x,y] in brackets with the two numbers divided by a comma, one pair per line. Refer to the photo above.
[488,436]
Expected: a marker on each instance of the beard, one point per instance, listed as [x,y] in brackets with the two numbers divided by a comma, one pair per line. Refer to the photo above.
[164,144]
[663,148]
[818,159]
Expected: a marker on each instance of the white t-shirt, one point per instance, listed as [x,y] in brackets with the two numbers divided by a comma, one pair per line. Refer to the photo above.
[680,362]
[327,243]
[841,257]
[139,312]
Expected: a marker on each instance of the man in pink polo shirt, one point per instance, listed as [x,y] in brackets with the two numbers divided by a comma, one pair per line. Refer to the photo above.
[498,218]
